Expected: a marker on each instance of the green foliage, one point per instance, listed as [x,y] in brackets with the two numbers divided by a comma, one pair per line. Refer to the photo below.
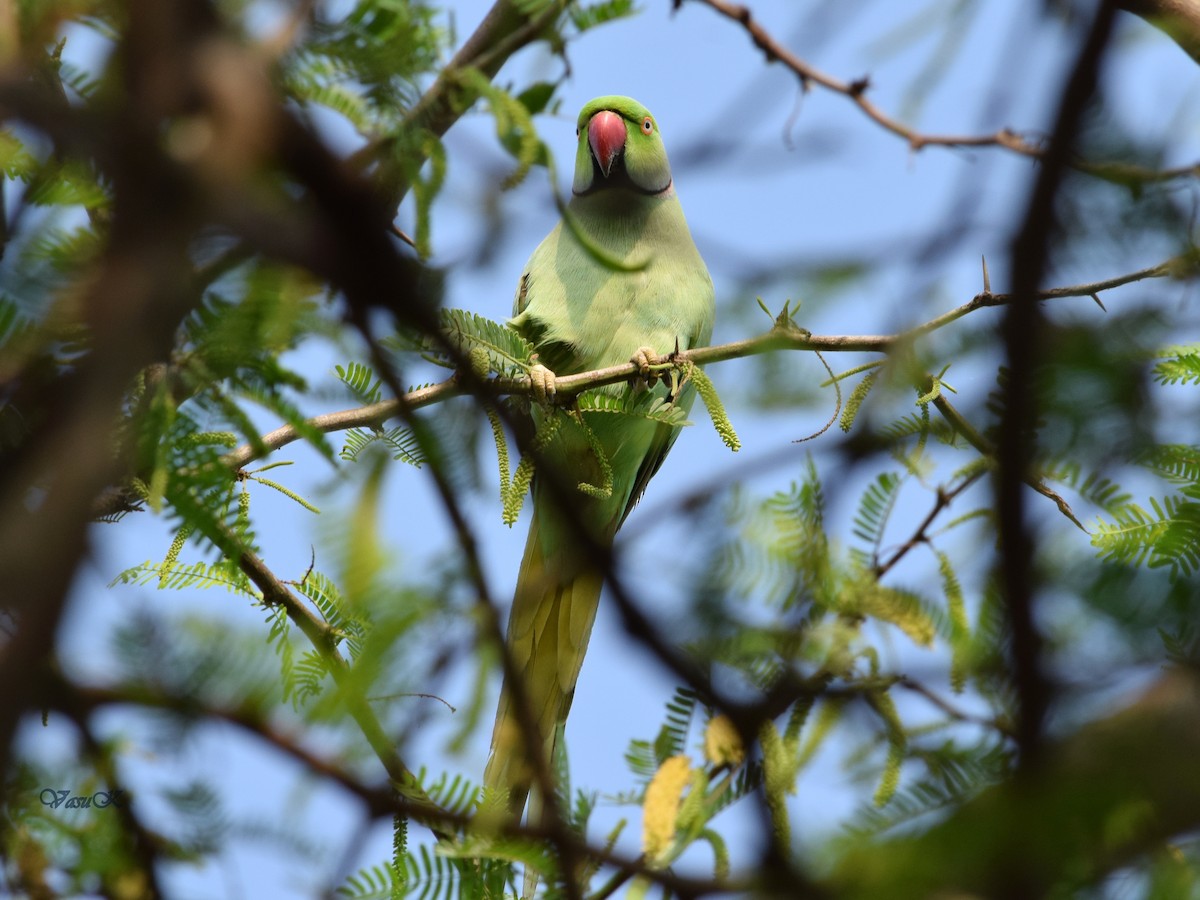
[709,791]
[399,442]
[377,883]
[507,354]
[361,380]
[881,702]
[875,508]
[1168,534]
[427,183]
[169,575]
[1178,365]
[644,757]
[593,14]
[1182,646]
[514,125]
[514,489]
[953,775]
[959,625]
[716,410]
[366,65]
[637,405]
[857,397]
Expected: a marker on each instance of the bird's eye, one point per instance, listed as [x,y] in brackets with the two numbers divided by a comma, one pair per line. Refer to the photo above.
[647,125]
[576,131]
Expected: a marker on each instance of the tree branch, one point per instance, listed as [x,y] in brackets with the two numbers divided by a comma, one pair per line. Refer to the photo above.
[324,639]
[85,700]
[1021,330]
[1136,767]
[781,337]
[504,30]
[1178,14]
[1178,19]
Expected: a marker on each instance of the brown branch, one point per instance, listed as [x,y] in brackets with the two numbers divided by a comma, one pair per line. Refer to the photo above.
[130,305]
[379,801]
[781,337]
[950,709]
[504,30]
[967,431]
[1006,138]
[76,699]
[1173,267]
[325,639]
[1021,330]
[921,535]
[1178,19]
[856,91]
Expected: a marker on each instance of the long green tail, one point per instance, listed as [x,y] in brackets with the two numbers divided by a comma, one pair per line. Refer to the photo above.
[552,615]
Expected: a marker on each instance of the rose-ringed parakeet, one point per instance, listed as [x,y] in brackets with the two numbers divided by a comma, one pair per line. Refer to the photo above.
[582,313]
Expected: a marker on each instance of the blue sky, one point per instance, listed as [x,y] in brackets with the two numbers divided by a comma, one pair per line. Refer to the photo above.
[769,178]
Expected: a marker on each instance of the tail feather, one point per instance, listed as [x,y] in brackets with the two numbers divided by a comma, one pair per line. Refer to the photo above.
[554,608]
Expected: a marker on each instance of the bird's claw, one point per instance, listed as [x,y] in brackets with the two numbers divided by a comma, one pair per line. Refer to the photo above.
[645,359]
[543,383]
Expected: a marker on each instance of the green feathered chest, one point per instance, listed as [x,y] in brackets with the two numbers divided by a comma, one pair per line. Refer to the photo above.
[619,274]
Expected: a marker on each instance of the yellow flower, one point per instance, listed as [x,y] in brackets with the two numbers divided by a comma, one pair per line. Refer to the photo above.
[662,806]
[722,743]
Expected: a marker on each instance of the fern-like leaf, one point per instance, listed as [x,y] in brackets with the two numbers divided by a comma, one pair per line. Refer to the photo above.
[1178,365]
[672,738]
[1166,535]
[644,405]
[587,17]
[508,353]
[175,577]
[361,381]
[876,507]
[400,442]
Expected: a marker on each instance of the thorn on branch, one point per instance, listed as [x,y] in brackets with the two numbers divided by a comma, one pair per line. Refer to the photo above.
[402,235]
[859,86]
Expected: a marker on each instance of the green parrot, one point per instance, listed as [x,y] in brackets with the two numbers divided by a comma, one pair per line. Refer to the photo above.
[581,314]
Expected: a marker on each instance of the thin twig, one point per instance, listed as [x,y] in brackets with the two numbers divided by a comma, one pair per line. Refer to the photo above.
[921,535]
[324,640]
[950,709]
[856,92]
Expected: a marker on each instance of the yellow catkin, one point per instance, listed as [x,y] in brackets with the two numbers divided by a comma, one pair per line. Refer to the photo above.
[722,743]
[662,806]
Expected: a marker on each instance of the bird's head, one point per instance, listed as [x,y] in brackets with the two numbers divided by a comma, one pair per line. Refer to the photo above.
[619,147]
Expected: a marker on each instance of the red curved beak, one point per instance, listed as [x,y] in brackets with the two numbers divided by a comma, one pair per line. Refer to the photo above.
[606,134]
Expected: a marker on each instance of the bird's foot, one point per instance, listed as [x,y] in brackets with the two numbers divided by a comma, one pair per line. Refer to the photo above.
[674,379]
[543,383]
[645,359]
